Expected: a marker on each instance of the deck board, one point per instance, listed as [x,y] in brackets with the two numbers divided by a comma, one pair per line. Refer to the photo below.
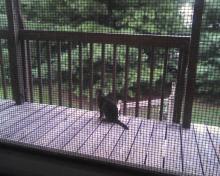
[214,135]
[173,157]
[191,160]
[11,112]
[3,101]
[22,124]
[72,130]
[33,126]
[124,144]
[78,140]
[54,132]
[147,142]
[206,151]
[7,114]
[110,140]
[18,116]
[154,157]
[5,104]
[139,148]
[55,117]
[95,139]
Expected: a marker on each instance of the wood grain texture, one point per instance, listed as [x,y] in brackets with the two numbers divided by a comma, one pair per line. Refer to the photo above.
[18,116]
[7,114]
[124,144]
[107,145]
[72,130]
[191,161]
[21,124]
[173,157]
[60,127]
[95,139]
[139,148]
[33,126]
[84,134]
[207,153]
[6,104]
[154,156]
[147,142]
[57,115]
[214,135]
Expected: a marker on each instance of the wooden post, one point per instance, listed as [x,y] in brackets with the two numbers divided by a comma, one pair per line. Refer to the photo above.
[152,61]
[127,60]
[170,106]
[91,71]
[193,59]
[15,51]
[163,82]
[137,96]
[177,102]
[80,76]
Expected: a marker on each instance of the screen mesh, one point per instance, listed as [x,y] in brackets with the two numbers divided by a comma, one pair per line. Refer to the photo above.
[136,53]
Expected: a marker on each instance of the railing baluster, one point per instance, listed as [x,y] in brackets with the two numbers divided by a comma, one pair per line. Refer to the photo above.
[91,77]
[70,73]
[5,93]
[103,66]
[49,72]
[114,71]
[138,82]
[151,82]
[25,70]
[180,86]
[163,82]
[39,72]
[126,80]
[177,101]
[80,75]
[183,74]
[59,73]
[29,70]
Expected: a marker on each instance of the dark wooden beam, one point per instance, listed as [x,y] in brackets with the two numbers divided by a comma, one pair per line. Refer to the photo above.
[15,51]
[193,60]
[108,38]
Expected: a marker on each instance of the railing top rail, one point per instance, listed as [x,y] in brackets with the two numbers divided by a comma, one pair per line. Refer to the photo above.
[108,38]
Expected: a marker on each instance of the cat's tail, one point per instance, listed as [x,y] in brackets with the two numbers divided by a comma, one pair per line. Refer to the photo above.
[122,124]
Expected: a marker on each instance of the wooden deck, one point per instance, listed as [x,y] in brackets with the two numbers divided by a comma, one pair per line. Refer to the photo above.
[146,143]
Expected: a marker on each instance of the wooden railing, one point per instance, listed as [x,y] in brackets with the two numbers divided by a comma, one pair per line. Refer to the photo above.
[20,57]
[47,40]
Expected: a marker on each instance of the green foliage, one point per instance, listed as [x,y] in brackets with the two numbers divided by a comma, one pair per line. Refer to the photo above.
[124,16]
[208,69]
[212,15]
[2,7]
[3,21]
